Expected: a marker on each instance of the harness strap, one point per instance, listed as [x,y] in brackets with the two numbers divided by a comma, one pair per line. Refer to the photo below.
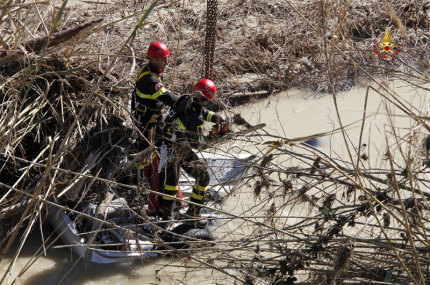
[180,125]
[147,72]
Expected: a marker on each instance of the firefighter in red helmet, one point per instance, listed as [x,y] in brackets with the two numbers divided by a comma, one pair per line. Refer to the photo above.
[150,94]
[206,87]
[182,132]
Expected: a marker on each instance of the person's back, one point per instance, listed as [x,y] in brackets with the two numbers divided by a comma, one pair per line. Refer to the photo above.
[188,121]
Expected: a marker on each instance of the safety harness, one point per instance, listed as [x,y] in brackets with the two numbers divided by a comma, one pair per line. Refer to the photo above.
[140,109]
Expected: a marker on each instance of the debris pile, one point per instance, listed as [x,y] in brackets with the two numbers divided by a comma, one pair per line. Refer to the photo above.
[66,74]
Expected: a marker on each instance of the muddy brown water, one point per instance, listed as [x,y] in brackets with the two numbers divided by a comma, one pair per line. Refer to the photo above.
[291,114]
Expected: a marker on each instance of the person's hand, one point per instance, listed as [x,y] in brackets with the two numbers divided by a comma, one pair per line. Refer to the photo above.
[220,119]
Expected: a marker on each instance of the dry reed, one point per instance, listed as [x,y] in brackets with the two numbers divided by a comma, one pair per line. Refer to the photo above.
[65,123]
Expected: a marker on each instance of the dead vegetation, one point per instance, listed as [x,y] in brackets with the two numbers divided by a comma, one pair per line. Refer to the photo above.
[65,122]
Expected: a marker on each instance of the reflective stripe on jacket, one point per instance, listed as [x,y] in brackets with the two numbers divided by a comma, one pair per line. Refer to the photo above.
[187,123]
[150,94]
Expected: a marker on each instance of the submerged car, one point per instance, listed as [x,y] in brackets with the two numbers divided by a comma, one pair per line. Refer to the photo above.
[124,233]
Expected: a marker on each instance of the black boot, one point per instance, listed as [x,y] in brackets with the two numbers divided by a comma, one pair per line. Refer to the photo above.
[193,217]
[167,214]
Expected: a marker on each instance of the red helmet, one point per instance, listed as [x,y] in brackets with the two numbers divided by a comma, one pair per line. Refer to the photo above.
[207,87]
[158,49]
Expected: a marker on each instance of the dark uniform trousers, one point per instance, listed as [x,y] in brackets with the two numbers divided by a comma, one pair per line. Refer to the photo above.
[186,158]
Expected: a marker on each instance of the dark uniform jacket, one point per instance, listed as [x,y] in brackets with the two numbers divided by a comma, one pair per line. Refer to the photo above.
[185,122]
[149,96]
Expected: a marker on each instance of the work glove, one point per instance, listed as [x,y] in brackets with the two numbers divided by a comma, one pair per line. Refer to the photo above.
[222,127]
[220,119]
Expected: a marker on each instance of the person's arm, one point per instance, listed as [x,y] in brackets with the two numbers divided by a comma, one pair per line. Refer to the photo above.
[153,89]
[212,117]
[168,98]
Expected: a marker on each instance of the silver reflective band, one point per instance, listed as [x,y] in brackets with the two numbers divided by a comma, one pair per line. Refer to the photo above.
[163,157]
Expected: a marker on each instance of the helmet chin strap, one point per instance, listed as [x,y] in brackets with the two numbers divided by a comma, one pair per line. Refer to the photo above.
[197,96]
[200,98]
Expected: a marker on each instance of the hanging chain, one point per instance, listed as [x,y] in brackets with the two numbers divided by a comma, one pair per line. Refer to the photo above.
[212,8]
[172,85]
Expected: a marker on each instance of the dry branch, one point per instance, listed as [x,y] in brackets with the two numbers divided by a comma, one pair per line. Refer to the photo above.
[35,45]
[263,243]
